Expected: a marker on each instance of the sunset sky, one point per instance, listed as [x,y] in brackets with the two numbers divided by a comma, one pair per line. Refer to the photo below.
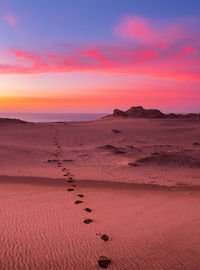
[96,55]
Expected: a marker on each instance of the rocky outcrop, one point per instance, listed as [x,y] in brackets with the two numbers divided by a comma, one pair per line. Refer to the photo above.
[119,113]
[140,112]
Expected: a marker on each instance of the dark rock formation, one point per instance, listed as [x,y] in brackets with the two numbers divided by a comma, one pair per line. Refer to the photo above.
[119,113]
[140,112]
[172,115]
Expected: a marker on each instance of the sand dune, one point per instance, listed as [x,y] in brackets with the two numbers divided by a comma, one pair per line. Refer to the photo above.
[26,150]
[57,213]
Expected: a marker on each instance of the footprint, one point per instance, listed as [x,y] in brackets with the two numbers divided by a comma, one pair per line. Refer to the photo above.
[104,262]
[70,181]
[104,237]
[88,210]
[88,221]
[78,202]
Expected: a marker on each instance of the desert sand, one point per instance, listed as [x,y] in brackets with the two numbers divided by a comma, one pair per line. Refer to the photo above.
[139,177]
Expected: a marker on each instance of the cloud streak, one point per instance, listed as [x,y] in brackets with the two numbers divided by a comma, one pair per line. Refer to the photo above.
[145,48]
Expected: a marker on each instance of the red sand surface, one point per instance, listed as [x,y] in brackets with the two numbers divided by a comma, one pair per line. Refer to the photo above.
[150,226]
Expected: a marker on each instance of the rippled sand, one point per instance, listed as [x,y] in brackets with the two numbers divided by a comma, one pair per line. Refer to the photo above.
[139,177]
[149,227]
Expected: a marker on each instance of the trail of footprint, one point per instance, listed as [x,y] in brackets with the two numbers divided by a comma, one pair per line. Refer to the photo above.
[103,261]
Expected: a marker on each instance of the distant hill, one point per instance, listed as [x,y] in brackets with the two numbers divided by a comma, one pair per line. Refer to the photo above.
[140,112]
[11,121]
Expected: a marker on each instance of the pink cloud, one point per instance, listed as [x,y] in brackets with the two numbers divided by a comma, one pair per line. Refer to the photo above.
[148,31]
[95,55]
[152,62]
[170,51]
[11,19]
[189,49]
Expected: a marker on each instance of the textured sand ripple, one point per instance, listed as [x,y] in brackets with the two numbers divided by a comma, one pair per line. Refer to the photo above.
[41,228]
[149,227]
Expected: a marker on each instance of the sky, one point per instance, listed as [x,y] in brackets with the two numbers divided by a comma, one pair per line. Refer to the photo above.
[94,56]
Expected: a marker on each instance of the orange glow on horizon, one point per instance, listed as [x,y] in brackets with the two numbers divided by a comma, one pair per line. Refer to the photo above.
[98,101]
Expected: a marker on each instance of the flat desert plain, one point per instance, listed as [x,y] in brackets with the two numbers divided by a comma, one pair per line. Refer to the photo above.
[126,189]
